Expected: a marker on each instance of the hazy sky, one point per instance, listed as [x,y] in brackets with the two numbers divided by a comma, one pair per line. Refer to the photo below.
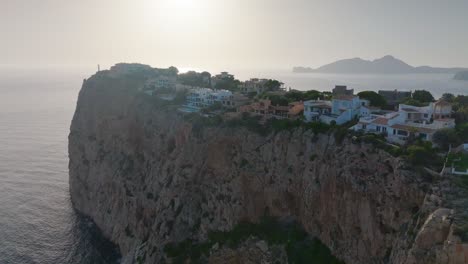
[232,34]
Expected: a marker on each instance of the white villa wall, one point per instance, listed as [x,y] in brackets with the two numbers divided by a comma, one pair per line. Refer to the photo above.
[459,172]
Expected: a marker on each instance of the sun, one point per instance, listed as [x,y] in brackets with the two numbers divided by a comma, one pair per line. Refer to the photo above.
[178,4]
[173,14]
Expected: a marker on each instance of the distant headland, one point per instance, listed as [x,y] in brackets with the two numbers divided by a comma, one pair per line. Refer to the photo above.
[461,76]
[385,65]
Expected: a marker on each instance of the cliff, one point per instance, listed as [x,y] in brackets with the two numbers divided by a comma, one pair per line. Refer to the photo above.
[147,176]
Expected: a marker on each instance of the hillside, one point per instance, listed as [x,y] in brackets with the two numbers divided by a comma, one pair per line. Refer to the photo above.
[385,65]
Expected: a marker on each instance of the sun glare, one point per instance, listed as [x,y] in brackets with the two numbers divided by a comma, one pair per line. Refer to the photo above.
[175,14]
[182,3]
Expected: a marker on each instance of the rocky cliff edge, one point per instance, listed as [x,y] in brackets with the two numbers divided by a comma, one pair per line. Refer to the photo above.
[148,177]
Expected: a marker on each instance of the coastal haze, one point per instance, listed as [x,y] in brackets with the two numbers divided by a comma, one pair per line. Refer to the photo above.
[48,47]
[232,34]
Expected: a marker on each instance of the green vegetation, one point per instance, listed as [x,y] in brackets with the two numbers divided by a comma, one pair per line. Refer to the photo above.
[459,161]
[228,83]
[460,107]
[378,141]
[195,79]
[446,137]
[278,99]
[448,97]
[462,131]
[421,156]
[462,230]
[374,98]
[294,96]
[419,98]
[423,96]
[340,133]
[252,123]
[418,153]
[300,247]
[413,102]
[273,85]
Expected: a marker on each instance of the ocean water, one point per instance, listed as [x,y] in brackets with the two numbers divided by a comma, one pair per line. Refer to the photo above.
[37,222]
[437,84]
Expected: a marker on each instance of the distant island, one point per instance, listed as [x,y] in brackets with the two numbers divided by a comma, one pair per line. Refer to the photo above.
[385,65]
[461,76]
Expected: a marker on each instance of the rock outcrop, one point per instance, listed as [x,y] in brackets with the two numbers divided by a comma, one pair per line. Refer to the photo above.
[147,177]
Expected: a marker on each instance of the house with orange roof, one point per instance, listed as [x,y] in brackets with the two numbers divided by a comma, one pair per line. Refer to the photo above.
[409,121]
[267,110]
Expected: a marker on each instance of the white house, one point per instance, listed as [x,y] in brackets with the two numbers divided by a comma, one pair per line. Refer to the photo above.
[253,85]
[421,122]
[342,109]
[205,97]
[313,109]
[161,82]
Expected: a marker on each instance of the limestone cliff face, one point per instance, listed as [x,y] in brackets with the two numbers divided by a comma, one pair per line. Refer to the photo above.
[147,177]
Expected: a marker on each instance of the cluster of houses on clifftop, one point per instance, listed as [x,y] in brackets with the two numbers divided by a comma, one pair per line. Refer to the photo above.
[344,107]
[422,122]
[397,125]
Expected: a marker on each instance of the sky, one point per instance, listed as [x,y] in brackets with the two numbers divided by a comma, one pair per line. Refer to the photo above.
[231,34]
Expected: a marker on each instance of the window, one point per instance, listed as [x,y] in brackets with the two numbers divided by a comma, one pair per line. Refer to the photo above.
[364,126]
[402,133]
[378,128]
[384,129]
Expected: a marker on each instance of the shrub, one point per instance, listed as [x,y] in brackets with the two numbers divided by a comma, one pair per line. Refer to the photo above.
[446,137]
[424,156]
[374,98]
[340,134]
[423,96]
[284,124]
[300,247]
[318,127]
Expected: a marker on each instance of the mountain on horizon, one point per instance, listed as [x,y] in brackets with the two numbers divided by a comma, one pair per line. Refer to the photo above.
[385,65]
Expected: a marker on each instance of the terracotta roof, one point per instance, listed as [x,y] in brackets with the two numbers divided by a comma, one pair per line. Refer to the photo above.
[296,103]
[281,108]
[442,102]
[381,121]
[394,115]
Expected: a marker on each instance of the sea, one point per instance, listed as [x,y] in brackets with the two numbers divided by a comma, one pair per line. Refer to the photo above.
[37,220]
